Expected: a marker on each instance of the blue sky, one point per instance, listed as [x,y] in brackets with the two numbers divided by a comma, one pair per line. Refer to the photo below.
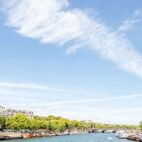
[78,59]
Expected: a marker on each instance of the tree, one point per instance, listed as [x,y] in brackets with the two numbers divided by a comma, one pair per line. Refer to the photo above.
[18,122]
[54,124]
[2,122]
[34,124]
[140,125]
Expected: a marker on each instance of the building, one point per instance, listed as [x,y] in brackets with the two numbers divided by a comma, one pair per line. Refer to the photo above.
[7,112]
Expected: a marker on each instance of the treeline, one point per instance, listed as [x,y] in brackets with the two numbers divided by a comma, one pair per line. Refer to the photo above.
[140,125]
[49,123]
[116,126]
[55,124]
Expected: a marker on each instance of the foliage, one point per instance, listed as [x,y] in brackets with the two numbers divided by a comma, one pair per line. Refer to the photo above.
[54,124]
[2,122]
[18,122]
[140,125]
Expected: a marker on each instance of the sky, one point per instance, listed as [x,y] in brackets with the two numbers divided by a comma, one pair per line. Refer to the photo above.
[73,58]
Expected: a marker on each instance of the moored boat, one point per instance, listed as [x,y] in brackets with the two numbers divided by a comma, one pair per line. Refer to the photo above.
[122,134]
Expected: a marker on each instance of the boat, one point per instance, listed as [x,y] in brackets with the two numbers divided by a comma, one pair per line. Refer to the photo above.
[109,131]
[122,134]
[10,137]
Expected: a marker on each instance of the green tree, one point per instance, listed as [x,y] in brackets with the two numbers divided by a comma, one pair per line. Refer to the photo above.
[2,122]
[140,125]
[18,122]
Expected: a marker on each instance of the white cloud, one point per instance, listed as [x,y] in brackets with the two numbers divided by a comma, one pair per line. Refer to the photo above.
[84,101]
[55,22]
[128,24]
[72,49]
[101,110]
[29,86]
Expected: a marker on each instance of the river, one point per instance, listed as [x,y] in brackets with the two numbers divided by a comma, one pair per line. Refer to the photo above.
[76,138]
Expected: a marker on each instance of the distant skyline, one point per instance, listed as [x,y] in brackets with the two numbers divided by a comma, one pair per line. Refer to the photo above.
[77,59]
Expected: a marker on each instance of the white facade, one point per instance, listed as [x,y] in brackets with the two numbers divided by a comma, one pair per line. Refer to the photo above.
[10,112]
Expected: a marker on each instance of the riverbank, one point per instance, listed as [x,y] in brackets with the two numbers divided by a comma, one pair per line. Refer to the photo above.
[127,134]
[10,135]
[130,135]
[28,135]
[89,137]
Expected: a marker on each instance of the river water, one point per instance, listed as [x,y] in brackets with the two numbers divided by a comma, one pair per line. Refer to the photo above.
[76,138]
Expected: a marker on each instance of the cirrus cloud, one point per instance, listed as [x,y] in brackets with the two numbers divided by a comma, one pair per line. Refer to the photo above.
[54,22]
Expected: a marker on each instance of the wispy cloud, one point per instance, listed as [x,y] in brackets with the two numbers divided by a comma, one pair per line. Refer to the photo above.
[84,101]
[130,23]
[55,22]
[29,86]
[100,109]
